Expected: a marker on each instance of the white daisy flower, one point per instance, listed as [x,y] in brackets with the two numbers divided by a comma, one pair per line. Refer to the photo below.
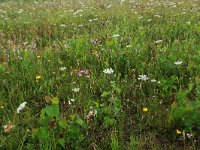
[159,41]
[62,68]
[143,77]
[178,62]
[21,106]
[72,100]
[116,35]
[63,25]
[76,90]
[153,80]
[108,71]
[69,102]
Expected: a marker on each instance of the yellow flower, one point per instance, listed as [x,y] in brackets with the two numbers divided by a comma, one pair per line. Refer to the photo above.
[38,77]
[145,109]
[178,131]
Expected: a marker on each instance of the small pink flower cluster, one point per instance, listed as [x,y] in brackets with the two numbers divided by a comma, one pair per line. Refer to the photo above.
[84,72]
[189,135]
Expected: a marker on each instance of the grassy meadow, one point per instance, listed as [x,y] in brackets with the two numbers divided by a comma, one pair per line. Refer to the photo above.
[100,75]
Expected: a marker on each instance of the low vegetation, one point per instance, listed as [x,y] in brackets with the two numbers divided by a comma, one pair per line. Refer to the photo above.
[100,74]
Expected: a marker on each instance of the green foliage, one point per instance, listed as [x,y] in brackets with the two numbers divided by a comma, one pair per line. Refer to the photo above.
[53,54]
[134,143]
[55,131]
[114,144]
[185,113]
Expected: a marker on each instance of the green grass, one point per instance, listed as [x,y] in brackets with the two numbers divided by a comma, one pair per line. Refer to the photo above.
[38,38]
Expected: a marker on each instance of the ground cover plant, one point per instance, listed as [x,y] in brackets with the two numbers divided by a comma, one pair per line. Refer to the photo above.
[100,74]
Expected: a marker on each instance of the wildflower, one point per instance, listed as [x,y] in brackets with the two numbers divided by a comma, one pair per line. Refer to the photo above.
[116,35]
[153,80]
[38,56]
[128,46]
[79,74]
[143,77]
[178,62]
[78,11]
[63,25]
[38,78]
[158,41]
[76,90]
[8,127]
[70,101]
[145,109]
[108,71]
[21,106]
[84,72]
[62,68]
[178,131]
[92,113]
[189,135]
[188,23]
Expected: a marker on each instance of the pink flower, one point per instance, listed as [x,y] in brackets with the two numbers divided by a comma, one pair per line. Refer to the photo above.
[189,135]
[83,72]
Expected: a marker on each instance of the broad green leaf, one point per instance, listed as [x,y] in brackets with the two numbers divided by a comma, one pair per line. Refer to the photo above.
[80,122]
[96,104]
[42,114]
[190,86]
[109,43]
[63,123]
[61,142]
[74,129]
[52,111]
[43,133]
[109,121]
[105,94]
[72,117]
